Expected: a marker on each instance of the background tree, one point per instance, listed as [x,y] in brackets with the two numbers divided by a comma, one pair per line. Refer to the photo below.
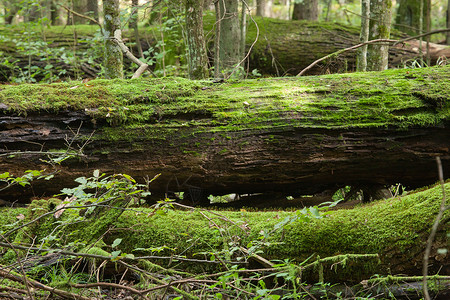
[133,25]
[263,7]
[409,17]
[195,41]
[227,36]
[10,10]
[57,13]
[306,10]
[92,9]
[448,22]
[361,62]
[113,53]
[80,6]
[379,28]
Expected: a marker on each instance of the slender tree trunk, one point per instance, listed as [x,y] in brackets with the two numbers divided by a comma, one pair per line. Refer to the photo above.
[428,28]
[448,22]
[133,25]
[361,62]
[243,28]
[113,53]
[197,57]
[379,28]
[229,35]
[306,10]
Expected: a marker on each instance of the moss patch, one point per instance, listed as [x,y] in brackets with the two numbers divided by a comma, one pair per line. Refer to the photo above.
[398,98]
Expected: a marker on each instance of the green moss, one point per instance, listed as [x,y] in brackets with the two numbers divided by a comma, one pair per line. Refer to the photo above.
[157,107]
[398,223]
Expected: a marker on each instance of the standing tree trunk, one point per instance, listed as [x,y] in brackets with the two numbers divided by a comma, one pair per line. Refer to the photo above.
[197,57]
[379,28]
[448,22]
[306,10]
[260,8]
[113,53]
[80,6]
[361,62]
[57,13]
[229,36]
[133,25]
[408,17]
[92,8]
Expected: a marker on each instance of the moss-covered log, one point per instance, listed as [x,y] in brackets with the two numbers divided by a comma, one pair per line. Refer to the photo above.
[395,229]
[283,47]
[296,136]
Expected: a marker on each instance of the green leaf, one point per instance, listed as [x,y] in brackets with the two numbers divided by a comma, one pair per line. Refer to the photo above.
[129,178]
[130,256]
[115,255]
[315,212]
[4,175]
[116,243]
[49,177]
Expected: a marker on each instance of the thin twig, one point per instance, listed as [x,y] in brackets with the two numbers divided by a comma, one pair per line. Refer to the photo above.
[395,42]
[81,15]
[345,50]
[36,284]
[433,232]
[79,254]
[107,284]
[27,285]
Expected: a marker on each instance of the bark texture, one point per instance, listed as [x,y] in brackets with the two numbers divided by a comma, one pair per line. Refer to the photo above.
[361,62]
[306,10]
[197,58]
[113,53]
[448,22]
[229,35]
[292,136]
[409,15]
[379,28]
[92,8]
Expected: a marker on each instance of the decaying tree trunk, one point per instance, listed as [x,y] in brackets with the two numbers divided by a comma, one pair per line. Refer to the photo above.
[293,136]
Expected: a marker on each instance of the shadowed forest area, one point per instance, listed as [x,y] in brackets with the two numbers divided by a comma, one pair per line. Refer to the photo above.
[229,149]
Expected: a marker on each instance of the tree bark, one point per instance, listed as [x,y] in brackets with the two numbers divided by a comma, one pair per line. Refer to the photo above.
[260,8]
[80,6]
[306,10]
[448,22]
[133,25]
[113,54]
[92,9]
[361,62]
[379,28]
[229,36]
[195,40]
[292,136]
[408,16]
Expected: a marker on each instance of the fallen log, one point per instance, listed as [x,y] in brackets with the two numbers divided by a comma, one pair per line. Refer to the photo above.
[287,47]
[384,237]
[292,136]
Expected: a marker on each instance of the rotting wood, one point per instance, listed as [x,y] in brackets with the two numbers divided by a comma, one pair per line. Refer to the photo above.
[294,136]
